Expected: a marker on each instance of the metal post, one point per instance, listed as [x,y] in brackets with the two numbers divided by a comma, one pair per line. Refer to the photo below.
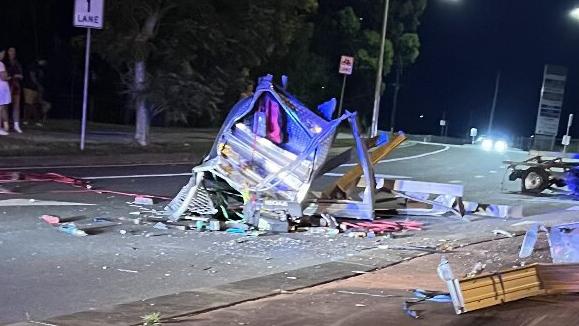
[342,96]
[492,117]
[569,124]
[376,112]
[85,89]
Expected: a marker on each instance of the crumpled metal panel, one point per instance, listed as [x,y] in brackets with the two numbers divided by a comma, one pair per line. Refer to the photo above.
[254,165]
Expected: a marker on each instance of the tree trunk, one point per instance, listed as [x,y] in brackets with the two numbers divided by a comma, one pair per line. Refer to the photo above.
[141,110]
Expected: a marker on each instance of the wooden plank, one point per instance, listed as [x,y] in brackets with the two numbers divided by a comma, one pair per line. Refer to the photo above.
[533,280]
[345,182]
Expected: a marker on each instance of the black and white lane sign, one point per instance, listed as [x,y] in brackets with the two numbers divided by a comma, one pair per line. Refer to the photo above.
[88,13]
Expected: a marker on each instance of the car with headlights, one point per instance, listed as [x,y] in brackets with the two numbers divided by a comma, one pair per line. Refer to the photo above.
[494,143]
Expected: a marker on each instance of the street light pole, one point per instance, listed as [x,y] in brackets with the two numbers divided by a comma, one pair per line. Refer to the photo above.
[492,117]
[378,89]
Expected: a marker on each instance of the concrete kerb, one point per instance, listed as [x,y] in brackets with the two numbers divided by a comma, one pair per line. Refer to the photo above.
[202,300]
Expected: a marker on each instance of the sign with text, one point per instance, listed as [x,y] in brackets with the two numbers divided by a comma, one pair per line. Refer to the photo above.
[551,103]
[88,13]
[346,65]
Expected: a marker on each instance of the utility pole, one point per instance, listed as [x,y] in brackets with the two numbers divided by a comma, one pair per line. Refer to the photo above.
[493,107]
[378,89]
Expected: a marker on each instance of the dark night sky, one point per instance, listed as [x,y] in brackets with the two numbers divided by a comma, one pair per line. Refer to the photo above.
[465,43]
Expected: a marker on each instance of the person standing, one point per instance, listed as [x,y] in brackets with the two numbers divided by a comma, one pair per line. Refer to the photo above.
[5,97]
[15,73]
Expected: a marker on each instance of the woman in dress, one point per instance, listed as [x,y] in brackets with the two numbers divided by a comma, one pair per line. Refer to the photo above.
[5,97]
[16,75]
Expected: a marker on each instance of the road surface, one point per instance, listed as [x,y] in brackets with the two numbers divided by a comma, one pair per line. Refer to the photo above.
[46,273]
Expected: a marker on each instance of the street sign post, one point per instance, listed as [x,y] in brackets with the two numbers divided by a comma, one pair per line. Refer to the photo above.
[87,14]
[473,133]
[346,68]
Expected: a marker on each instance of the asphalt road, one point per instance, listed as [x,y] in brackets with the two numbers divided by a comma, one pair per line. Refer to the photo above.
[44,272]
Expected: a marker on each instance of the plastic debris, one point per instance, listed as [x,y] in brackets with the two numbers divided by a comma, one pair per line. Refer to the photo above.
[503,232]
[160,226]
[433,296]
[142,200]
[235,231]
[71,229]
[215,225]
[126,270]
[52,220]
[406,307]
[477,269]
[529,241]
[200,225]
[444,271]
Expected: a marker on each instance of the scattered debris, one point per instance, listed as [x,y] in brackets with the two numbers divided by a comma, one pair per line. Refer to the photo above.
[52,220]
[563,242]
[476,270]
[71,229]
[381,227]
[126,270]
[160,226]
[503,233]
[142,200]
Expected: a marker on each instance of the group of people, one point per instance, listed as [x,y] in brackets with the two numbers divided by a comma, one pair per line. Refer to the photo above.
[17,85]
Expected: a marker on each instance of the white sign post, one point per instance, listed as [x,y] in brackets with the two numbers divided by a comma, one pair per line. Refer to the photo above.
[473,133]
[346,67]
[87,14]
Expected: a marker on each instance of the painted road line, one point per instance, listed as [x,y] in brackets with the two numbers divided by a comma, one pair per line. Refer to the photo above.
[33,202]
[406,157]
[384,176]
[92,166]
[135,176]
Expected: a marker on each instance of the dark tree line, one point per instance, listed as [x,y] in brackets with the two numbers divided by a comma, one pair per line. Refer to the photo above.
[188,61]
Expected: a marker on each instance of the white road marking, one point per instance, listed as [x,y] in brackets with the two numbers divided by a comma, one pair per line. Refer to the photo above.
[385,176]
[137,176]
[406,157]
[492,171]
[92,166]
[479,176]
[455,181]
[33,202]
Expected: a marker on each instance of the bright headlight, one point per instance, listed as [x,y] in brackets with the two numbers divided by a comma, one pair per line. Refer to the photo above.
[500,146]
[487,144]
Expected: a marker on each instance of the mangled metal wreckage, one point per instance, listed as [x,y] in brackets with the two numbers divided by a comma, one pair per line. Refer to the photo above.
[268,153]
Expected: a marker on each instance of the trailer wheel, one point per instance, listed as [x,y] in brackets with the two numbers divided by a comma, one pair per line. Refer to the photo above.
[534,180]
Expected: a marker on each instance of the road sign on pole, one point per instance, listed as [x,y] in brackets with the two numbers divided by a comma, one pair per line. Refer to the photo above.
[87,14]
[346,68]
[346,65]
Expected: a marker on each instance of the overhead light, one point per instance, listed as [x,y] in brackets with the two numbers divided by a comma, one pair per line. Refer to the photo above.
[575,13]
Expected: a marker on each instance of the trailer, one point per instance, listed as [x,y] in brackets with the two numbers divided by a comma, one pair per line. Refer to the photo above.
[538,174]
